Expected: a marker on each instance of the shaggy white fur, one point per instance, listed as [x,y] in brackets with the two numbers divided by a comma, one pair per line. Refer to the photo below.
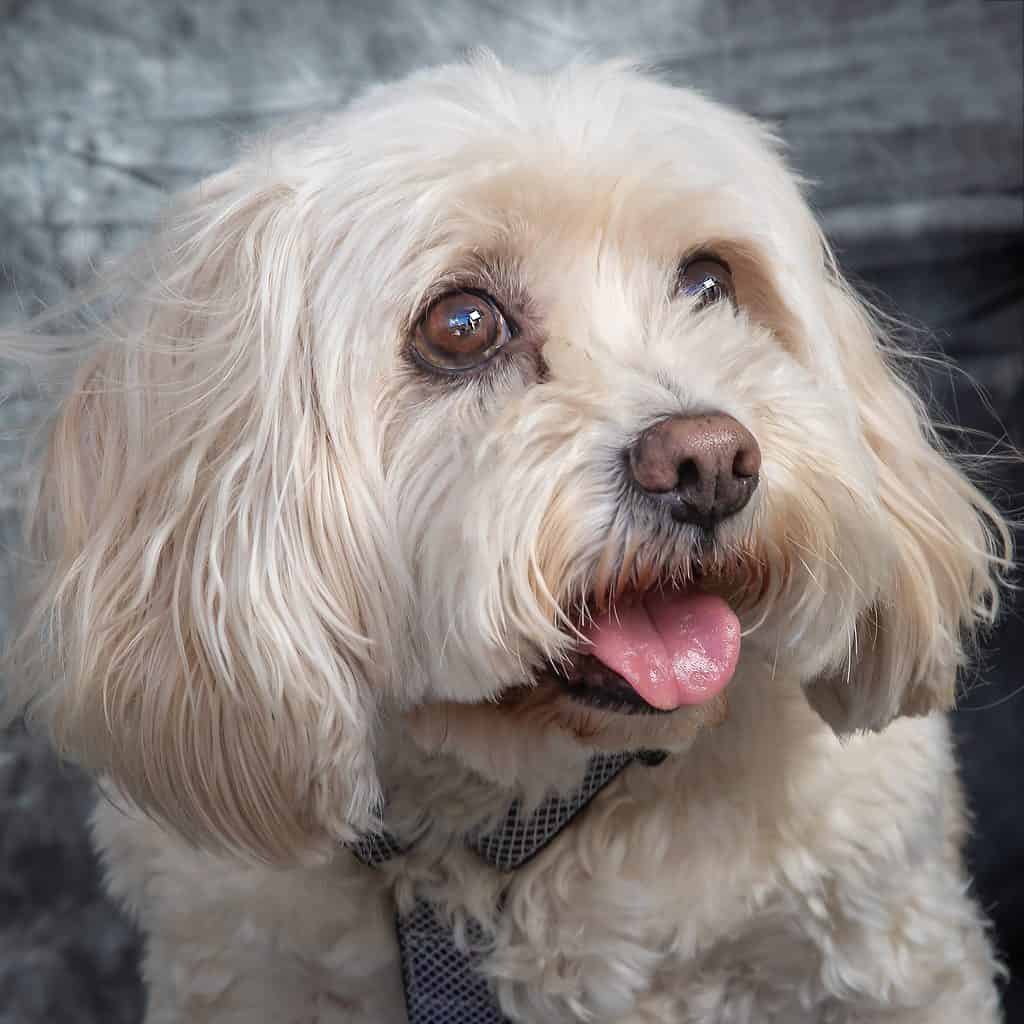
[285,568]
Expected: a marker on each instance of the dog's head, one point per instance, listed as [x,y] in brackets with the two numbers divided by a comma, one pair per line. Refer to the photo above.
[537,396]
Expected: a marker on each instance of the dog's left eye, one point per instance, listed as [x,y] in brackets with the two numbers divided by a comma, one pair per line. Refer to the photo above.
[459,331]
[707,279]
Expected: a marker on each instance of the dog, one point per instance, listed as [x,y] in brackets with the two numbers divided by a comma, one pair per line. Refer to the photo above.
[497,424]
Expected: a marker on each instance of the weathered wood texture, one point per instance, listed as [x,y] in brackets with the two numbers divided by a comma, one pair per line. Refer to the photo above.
[906,116]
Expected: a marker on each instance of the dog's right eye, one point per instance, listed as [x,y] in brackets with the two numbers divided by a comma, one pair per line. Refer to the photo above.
[459,331]
[706,278]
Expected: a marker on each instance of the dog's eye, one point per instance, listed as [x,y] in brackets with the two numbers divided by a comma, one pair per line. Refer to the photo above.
[460,330]
[706,279]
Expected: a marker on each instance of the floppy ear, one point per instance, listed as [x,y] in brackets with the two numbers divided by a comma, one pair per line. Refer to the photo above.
[949,544]
[210,571]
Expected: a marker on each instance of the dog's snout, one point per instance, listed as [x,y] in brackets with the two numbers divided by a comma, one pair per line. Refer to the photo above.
[705,468]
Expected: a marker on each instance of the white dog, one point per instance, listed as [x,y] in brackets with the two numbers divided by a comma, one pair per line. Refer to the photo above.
[500,421]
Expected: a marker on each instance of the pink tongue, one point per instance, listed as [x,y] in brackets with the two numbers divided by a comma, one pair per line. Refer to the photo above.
[673,647]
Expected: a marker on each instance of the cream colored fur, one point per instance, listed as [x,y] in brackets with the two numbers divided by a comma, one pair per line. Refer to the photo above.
[283,572]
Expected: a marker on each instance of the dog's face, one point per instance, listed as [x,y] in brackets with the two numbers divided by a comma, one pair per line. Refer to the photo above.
[506,404]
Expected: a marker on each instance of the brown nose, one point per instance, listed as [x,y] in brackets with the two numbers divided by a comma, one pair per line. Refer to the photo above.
[704,468]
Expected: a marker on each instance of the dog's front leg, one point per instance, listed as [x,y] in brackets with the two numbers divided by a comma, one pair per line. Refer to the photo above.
[888,943]
[908,948]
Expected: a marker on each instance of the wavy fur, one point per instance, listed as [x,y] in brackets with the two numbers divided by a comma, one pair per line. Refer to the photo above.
[280,571]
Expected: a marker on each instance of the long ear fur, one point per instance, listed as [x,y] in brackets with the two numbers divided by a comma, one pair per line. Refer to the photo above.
[951,547]
[208,564]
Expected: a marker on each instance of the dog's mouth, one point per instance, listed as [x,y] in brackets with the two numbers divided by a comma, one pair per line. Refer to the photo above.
[655,652]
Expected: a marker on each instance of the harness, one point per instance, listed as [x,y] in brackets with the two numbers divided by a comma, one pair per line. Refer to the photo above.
[441,977]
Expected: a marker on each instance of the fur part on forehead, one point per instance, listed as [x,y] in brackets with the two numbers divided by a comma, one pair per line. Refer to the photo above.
[267,526]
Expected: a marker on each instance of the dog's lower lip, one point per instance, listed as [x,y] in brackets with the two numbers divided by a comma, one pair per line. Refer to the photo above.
[587,681]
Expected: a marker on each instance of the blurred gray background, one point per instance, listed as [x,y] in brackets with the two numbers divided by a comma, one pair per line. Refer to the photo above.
[906,115]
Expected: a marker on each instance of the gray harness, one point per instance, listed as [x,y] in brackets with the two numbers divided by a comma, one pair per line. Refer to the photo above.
[441,979]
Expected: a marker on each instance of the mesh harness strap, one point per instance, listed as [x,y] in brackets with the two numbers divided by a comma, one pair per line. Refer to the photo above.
[441,978]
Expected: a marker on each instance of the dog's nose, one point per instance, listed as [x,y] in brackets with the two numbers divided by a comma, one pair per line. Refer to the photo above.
[703,467]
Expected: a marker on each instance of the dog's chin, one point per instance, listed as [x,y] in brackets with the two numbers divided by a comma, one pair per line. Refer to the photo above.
[536,732]
[606,714]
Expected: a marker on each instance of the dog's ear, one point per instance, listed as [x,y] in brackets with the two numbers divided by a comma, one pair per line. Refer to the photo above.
[212,573]
[949,546]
